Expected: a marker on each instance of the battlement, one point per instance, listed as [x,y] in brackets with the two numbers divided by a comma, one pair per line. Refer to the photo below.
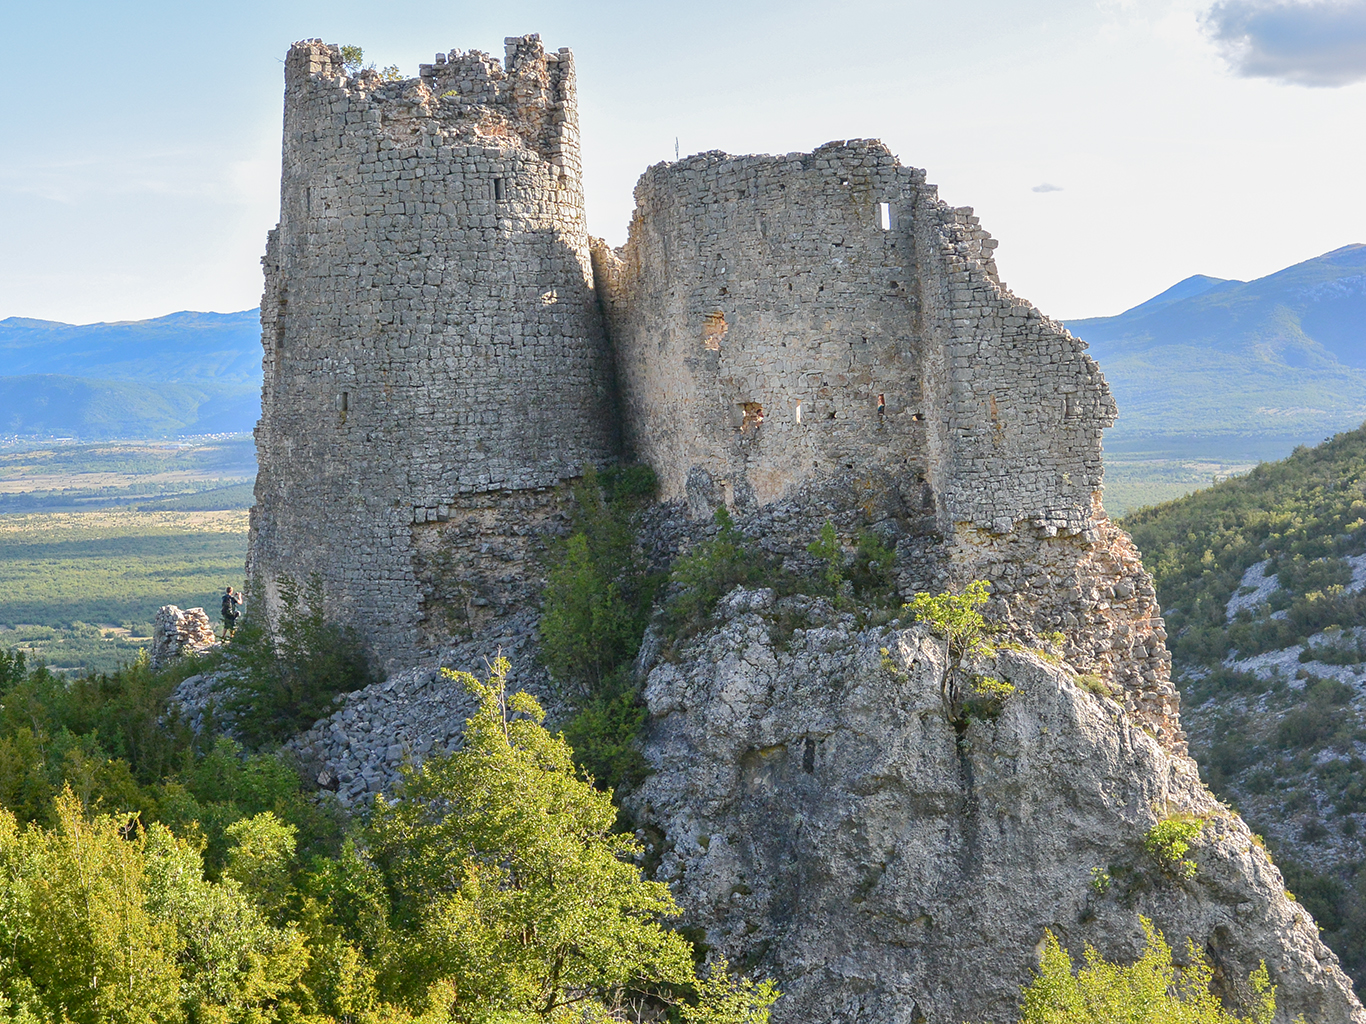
[529,98]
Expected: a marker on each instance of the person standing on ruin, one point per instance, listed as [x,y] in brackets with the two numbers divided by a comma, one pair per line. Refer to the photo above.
[232,604]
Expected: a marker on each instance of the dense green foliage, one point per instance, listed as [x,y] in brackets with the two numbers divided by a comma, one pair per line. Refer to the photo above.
[1151,991]
[1282,747]
[110,738]
[1303,513]
[285,676]
[172,883]
[599,592]
[598,600]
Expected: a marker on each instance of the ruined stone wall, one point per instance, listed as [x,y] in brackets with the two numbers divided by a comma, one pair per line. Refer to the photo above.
[429,323]
[1017,411]
[781,321]
[764,321]
[1018,405]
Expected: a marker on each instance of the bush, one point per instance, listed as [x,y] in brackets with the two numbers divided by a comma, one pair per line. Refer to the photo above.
[284,680]
[874,570]
[1169,841]
[598,601]
[711,570]
[1153,990]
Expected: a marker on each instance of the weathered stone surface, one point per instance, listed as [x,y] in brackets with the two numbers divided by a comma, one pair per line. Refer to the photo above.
[437,363]
[176,632]
[361,748]
[429,327]
[818,815]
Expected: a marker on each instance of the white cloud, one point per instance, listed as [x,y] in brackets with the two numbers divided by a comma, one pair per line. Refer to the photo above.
[1046,187]
[1304,42]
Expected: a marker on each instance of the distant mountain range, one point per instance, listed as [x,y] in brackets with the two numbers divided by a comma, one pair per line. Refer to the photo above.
[1239,369]
[1231,370]
[186,373]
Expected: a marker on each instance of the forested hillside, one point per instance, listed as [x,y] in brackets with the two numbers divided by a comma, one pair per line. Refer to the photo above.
[1262,579]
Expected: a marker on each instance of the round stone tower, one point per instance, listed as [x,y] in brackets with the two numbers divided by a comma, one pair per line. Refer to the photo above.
[435,360]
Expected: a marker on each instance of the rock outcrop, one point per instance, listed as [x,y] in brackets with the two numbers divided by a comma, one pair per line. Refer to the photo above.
[360,749]
[823,821]
[176,632]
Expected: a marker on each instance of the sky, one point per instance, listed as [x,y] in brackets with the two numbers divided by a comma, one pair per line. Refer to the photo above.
[1114,147]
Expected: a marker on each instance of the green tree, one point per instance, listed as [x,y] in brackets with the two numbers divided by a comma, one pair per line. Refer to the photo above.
[1150,991]
[283,680]
[521,901]
[598,600]
[957,620]
[600,591]
[79,943]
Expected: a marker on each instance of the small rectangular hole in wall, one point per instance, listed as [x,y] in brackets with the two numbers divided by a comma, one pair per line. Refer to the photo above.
[881,404]
[714,328]
[884,215]
[500,189]
[343,401]
[752,416]
[799,412]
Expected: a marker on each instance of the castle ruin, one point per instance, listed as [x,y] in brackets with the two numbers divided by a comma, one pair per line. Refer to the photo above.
[446,347]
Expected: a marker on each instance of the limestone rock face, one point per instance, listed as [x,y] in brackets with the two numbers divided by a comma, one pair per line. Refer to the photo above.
[176,632]
[827,826]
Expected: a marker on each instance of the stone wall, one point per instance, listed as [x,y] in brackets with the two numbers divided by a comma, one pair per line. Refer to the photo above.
[437,364]
[764,321]
[1017,406]
[824,316]
[429,324]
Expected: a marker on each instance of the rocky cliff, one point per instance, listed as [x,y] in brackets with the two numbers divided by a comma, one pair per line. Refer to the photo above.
[825,824]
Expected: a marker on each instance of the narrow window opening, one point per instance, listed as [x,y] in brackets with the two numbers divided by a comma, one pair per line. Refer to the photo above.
[919,417]
[809,756]
[881,404]
[884,213]
[343,401]
[500,189]
[1069,408]
[799,412]
[830,415]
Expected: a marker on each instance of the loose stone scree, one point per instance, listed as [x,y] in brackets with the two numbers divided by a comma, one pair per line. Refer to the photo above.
[446,348]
